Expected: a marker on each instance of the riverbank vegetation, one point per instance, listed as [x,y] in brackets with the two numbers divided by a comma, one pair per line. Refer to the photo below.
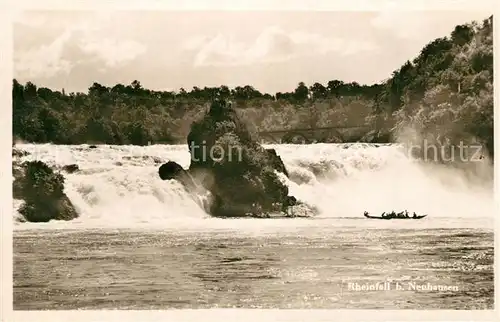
[445,92]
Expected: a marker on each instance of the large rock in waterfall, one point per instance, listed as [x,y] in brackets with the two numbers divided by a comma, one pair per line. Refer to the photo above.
[276,161]
[172,170]
[42,191]
[238,172]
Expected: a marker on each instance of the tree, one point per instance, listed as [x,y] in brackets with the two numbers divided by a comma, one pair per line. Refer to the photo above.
[462,34]
[136,85]
[98,89]
[333,86]
[224,92]
[30,91]
[318,91]
[301,93]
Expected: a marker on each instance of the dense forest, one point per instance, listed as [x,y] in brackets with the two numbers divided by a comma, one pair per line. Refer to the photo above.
[447,91]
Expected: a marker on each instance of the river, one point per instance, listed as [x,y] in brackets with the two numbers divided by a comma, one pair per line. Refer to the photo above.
[144,243]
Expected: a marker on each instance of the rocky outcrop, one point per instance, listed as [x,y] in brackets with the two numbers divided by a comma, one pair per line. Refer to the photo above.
[17,153]
[41,189]
[276,161]
[228,162]
[172,170]
[71,168]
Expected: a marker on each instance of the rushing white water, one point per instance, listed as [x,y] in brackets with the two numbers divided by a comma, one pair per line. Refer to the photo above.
[118,186]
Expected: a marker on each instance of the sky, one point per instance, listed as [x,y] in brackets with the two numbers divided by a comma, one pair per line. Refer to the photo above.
[269,50]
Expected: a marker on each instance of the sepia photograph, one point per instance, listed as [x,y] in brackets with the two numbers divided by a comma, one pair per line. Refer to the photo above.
[252,160]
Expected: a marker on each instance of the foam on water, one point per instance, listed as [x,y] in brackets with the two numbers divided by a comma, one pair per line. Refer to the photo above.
[347,180]
[118,186]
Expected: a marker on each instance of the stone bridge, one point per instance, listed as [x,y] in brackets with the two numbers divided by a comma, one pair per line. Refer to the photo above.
[334,134]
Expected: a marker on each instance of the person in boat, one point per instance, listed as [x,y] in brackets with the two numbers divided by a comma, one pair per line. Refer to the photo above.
[365,213]
[414,215]
[406,214]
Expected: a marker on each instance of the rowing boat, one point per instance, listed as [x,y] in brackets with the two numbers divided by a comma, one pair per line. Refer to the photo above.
[387,217]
